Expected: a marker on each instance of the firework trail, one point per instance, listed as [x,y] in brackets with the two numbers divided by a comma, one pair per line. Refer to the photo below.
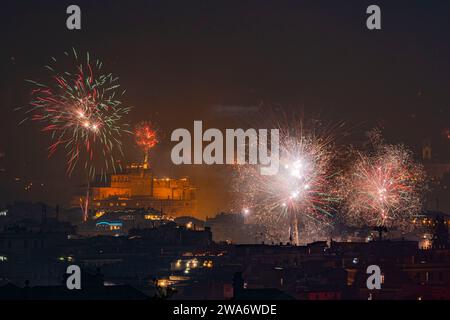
[146,137]
[302,190]
[82,111]
[383,187]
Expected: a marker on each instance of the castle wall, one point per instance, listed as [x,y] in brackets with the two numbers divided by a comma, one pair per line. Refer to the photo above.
[140,189]
[100,193]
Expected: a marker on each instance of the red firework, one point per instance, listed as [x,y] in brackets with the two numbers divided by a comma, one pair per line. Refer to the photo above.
[146,136]
[384,188]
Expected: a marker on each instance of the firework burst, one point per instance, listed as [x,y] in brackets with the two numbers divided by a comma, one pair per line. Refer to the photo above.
[302,190]
[81,110]
[383,188]
[146,137]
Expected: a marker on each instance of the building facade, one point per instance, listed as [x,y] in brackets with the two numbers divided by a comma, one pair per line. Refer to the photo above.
[139,188]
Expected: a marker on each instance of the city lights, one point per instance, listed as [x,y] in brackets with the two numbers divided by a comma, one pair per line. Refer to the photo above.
[224,160]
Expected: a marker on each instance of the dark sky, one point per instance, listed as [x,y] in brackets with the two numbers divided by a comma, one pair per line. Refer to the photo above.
[216,60]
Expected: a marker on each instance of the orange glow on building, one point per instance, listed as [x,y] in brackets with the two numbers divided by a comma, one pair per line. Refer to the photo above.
[139,188]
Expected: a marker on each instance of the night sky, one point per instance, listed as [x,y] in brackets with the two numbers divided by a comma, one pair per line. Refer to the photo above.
[219,61]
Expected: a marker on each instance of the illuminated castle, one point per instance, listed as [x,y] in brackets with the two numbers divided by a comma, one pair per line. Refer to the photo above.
[137,188]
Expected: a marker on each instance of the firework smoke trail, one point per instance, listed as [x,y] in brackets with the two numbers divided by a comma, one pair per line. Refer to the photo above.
[81,110]
[383,188]
[303,188]
[146,137]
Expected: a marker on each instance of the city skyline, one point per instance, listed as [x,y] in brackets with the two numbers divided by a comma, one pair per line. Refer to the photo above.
[222,158]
